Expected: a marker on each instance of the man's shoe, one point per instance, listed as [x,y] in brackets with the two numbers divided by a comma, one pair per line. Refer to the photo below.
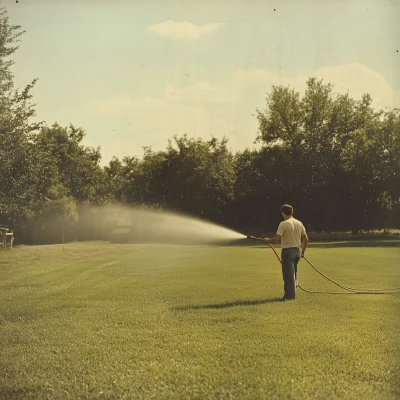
[283,299]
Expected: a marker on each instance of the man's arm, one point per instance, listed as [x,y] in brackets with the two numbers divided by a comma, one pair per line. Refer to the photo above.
[304,243]
[274,239]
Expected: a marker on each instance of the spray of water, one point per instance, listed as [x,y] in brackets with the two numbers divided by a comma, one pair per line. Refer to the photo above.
[144,226]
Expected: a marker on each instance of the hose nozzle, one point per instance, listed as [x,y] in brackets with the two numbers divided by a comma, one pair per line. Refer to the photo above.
[252,237]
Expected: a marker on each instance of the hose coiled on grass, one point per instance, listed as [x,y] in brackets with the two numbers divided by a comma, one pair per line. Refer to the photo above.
[348,289]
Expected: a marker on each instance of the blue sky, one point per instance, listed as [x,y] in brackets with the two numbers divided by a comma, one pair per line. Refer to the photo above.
[135,73]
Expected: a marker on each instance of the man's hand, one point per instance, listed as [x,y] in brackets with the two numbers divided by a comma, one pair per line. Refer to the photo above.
[274,239]
[304,245]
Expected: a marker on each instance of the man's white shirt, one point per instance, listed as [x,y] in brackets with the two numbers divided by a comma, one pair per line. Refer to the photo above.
[291,232]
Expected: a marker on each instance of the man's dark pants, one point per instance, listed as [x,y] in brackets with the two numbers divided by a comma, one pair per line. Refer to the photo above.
[290,259]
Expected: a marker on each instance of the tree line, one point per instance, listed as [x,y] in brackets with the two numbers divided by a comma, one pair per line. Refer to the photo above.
[334,158]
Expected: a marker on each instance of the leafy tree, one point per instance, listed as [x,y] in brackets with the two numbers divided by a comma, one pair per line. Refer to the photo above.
[200,177]
[74,166]
[21,166]
[191,176]
[53,220]
[122,176]
[332,151]
[390,153]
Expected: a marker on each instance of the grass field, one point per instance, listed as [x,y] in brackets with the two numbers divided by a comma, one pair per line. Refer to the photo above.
[98,320]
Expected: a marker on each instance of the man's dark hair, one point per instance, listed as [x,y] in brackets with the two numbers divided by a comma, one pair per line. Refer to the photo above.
[287,209]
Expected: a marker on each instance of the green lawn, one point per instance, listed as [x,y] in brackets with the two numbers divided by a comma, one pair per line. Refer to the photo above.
[99,320]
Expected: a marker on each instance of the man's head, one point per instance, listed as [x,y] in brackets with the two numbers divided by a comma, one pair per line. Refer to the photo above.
[287,211]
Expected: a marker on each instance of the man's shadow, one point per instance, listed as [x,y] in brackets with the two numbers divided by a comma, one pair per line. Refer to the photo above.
[237,303]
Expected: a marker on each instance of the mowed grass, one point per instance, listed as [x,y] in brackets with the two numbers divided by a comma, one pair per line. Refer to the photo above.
[99,320]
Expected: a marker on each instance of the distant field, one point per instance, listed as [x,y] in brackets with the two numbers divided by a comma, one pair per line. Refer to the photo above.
[97,320]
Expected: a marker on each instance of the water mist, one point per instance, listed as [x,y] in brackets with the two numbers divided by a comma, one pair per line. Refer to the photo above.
[136,225]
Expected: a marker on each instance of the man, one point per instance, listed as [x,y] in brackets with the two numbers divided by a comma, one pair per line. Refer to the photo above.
[292,234]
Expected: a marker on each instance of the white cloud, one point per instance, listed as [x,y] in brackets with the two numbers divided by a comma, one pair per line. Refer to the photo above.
[200,91]
[202,109]
[183,29]
[155,117]
[245,78]
[356,79]
[155,120]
